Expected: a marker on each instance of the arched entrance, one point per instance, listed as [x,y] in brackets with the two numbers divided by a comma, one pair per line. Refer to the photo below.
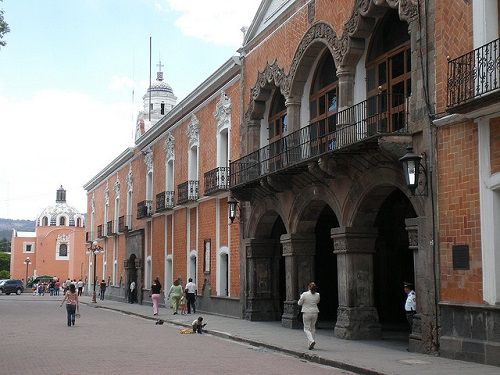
[325,265]
[131,271]
[393,261]
[375,259]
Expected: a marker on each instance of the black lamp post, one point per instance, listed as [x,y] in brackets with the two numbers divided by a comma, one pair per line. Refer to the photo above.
[411,168]
[27,261]
[94,249]
[232,205]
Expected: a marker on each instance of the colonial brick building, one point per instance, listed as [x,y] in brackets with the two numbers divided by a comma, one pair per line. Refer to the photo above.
[333,93]
[468,169]
[160,208]
[325,102]
[55,248]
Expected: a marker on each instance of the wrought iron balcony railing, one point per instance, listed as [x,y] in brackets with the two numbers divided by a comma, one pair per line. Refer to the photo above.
[144,209]
[164,201]
[474,75]
[110,228]
[124,223]
[376,116]
[187,192]
[160,202]
[216,180]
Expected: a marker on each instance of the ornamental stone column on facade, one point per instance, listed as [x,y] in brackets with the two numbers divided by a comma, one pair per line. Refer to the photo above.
[262,264]
[293,143]
[357,317]
[415,340]
[346,134]
[298,250]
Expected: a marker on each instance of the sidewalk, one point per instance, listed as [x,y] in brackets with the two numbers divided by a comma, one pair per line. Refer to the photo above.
[362,357]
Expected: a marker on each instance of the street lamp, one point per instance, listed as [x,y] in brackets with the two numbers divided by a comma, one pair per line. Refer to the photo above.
[94,249]
[27,261]
[411,168]
[232,205]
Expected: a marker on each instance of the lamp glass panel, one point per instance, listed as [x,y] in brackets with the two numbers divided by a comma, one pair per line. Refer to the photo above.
[412,173]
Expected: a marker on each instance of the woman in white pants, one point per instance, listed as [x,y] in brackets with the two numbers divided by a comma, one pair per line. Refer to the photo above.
[309,301]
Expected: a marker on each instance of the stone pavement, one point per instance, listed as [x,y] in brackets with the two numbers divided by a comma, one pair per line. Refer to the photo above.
[363,357]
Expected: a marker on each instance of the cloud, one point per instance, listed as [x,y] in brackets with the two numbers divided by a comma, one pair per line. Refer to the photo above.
[56,137]
[215,21]
[120,83]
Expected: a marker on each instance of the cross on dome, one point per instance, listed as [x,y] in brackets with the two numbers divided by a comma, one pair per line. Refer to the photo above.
[159,74]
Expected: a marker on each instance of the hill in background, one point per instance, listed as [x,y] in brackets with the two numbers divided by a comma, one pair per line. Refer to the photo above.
[6,226]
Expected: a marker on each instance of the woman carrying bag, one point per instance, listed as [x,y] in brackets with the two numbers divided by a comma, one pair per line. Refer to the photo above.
[72,304]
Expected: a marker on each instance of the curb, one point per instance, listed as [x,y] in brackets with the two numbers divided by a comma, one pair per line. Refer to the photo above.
[301,355]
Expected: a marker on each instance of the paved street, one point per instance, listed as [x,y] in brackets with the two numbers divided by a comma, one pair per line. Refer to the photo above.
[36,340]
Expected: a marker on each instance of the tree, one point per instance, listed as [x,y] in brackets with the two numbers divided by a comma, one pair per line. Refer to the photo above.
[4,274]
[4,262]
[4,28]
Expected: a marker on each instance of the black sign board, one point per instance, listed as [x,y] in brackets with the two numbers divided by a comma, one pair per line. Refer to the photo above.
[460,257]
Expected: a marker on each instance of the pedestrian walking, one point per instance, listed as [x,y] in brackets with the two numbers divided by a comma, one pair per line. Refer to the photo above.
[191,291]
[155,294]
[102,289]
[57,287]
[79,286]
[309,301]
[410,304]
[72,304]
[131,295]
[175,295]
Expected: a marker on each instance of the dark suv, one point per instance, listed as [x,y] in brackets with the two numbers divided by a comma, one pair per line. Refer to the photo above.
[11,286]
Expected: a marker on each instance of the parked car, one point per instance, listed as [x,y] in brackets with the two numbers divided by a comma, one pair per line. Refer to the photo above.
[12,286]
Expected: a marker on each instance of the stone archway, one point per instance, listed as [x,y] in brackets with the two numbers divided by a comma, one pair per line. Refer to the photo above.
[264,279]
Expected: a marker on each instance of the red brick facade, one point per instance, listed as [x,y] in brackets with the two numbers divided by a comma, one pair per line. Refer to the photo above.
[458,206]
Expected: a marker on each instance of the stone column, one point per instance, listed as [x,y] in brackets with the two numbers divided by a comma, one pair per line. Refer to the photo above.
[293,144]
[346,132]
[298,250]
[357,317]
[252,141]
[261,279]
[293,112]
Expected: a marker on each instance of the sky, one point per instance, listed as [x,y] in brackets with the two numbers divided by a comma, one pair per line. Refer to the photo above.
[72,77]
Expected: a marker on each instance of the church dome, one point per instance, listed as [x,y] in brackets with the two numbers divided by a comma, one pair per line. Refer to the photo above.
[160,85]
[61,213]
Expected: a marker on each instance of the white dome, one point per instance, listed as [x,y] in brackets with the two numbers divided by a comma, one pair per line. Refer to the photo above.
[60,208]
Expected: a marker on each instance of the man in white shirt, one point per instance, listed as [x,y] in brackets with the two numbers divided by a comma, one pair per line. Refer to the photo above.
[191,291]
[410,304]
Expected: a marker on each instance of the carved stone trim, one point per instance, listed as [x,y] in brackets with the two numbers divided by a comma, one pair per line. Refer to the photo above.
[116,187]
[193,129]
[272,75]
[148,160]
[106,194]
[130,180]
[169,146]
[223,111]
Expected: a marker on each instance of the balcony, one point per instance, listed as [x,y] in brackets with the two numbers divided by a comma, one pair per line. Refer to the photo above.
[110,229]
[164,201]
[216,180]
[124,223]
[100,233]
[347,130]
[474,79]
[187,192]
[144,209]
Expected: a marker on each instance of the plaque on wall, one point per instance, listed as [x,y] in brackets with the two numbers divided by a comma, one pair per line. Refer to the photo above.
[207,256]
[460,255]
